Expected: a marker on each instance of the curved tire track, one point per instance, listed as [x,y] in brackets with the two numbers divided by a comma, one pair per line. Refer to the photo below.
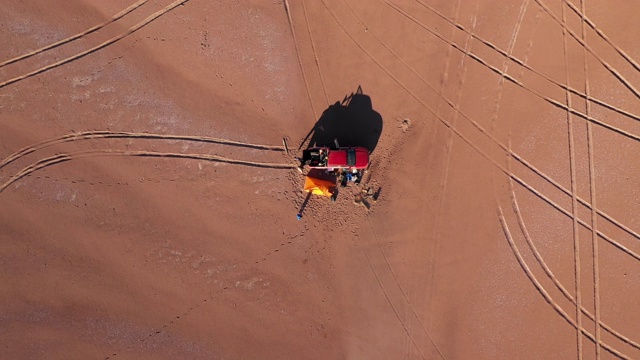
[90,30]
[128,32]
[595,318]
[552,277]
[60,158]
[540,288]
[122,134]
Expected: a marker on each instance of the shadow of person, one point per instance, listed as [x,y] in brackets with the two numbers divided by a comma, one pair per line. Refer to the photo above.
[352,122]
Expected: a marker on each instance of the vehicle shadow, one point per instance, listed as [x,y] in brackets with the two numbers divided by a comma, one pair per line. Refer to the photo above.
[352,122]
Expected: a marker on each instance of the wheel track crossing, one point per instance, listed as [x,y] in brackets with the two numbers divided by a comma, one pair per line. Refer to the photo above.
[524,162]
[524,64]
[540,288]
[585,20]
[504,147]
[444,122]
[586,46]
[513,80]
[549,273]
[543,264]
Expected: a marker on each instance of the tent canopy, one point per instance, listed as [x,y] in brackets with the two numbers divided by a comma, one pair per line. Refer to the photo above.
[319,186]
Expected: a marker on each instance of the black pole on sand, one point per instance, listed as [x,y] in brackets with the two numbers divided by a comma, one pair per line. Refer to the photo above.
[304,204]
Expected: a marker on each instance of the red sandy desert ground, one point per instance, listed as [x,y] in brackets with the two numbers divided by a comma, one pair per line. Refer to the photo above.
[507,226]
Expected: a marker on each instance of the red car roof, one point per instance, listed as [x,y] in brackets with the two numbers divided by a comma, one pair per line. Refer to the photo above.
[337,158]
[340,158]
[362,158]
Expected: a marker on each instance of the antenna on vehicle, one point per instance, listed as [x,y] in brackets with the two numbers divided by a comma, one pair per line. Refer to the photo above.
[335,141]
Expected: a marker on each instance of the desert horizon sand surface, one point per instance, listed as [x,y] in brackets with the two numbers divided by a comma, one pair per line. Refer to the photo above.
[149,210]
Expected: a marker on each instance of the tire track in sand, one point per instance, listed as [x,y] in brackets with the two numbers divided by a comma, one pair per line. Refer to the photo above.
[444,180]
[610,68]
[60,158]
[505,67]
[585,96]
[433,245]
[510,78]
[403,293]
[552,277]
[287,9]
[549,273]
[568,214]
[505,64]
[315,52]
[585,20]
[90,30]
[490,159]
[377,276]
[592,191]
[580,309]
[526,66]
[415,72]
[393,307]
[540,288]
[105,134]
[574,192]
[536,253]
[106,43]
[502,146]
[588,118]
[447,64]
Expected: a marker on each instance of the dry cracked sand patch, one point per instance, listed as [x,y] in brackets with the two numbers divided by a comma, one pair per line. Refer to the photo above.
[148,209]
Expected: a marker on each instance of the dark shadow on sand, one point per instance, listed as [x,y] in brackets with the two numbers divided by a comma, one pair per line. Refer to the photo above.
[352,122]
